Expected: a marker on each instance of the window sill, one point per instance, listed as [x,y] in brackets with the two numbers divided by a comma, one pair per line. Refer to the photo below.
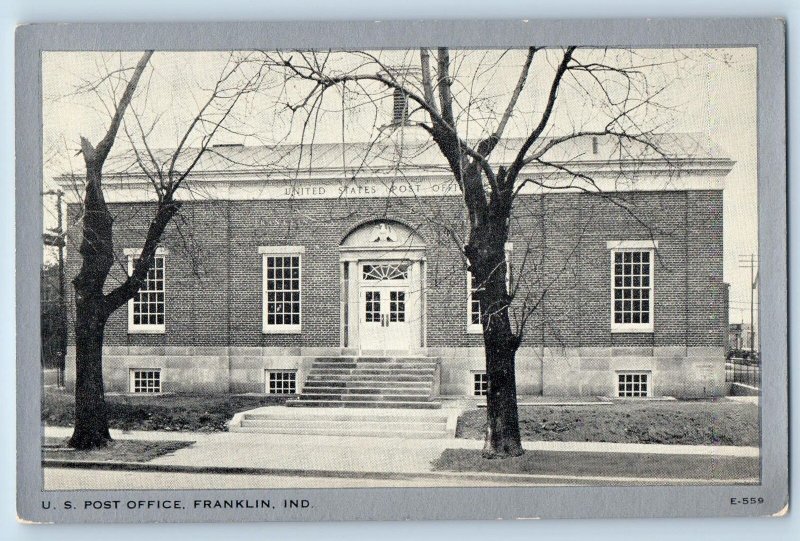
[147,330]
[632,330]
[474,329]
[282,329]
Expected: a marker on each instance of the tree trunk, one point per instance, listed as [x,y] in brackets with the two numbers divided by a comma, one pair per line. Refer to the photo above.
[91,422]
[91,307]
[502,420]
[486,253]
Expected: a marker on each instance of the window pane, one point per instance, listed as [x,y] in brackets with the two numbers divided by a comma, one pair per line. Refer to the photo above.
[282,286]
[148,303]
[633,385]
[631,283]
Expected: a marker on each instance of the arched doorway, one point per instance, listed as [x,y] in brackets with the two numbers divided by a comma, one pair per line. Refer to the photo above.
[383,284]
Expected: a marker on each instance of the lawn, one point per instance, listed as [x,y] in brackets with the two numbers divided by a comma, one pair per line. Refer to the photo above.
[690,422]
[190,412]
[639,466]
[116,450]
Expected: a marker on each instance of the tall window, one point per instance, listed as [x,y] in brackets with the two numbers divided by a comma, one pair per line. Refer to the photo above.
[282,288]
[632,308]
[146,309]
[473,304]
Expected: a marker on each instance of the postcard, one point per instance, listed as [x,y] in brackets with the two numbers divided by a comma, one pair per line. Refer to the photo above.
[401,270]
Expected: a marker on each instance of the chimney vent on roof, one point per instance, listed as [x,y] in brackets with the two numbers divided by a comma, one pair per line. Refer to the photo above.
[400,108]
[227,145]
[594,145]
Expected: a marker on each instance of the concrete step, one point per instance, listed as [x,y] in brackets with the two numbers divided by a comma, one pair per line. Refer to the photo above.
[380,381]
[381,359]
[358,397]
[377,369]
[343,384]
[421,424]
[376,366]
[425,391]
[369,378]
[302,402]
[395,419]
[371,372]
[359,417]
[376,433]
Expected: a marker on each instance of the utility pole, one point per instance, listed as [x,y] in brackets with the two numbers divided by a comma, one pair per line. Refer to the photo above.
[745,261]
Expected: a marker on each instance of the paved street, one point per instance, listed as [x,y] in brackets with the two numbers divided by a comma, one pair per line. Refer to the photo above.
[67,479]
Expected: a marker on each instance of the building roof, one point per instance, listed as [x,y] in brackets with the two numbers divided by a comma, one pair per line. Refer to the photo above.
[410,152]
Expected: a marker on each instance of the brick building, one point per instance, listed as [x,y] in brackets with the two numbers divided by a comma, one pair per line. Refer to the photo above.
[284,255]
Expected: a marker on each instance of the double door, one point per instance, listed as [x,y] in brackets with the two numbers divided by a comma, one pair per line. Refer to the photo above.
[384,309]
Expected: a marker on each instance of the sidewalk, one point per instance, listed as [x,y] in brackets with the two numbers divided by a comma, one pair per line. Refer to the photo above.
[253,451]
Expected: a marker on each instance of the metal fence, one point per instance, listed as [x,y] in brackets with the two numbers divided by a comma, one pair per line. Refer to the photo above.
[742,371]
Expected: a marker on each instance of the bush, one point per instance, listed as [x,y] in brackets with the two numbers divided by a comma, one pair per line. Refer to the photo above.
[178,412]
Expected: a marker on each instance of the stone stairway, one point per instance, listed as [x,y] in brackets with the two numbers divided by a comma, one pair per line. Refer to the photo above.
[389,397]
[370,382]
[341,422]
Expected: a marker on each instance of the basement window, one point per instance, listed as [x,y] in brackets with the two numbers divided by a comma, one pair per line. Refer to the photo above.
[480,385]
[633,384]
[145,380]
[281,381]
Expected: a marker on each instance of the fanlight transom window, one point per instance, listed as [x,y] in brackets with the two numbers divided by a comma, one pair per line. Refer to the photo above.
[385,271]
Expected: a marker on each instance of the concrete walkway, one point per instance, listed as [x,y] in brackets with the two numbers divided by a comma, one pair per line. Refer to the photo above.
[359,454]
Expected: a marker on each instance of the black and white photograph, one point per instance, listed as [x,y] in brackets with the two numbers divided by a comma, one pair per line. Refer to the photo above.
[420,267]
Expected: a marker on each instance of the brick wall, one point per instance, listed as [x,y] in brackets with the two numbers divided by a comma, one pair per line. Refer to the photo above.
[214,274]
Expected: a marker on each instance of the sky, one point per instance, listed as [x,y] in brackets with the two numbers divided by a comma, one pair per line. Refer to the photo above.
[710,91]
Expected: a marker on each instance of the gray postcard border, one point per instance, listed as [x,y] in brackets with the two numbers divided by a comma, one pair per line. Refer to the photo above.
[768,35]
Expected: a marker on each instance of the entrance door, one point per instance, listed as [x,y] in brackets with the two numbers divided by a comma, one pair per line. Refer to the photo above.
[383,307]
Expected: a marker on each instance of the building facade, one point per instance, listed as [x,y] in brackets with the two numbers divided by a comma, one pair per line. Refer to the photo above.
[270,267]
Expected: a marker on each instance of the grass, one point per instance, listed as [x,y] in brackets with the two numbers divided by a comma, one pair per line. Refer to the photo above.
[178,412]
[692,422]
[640,466]
[116,450]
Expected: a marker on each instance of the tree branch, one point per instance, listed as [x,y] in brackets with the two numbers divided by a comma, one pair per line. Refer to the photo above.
[519,161]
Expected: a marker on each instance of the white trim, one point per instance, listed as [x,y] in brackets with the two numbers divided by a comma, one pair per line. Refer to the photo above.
[221,186]
[147,328]
[632,245]
[472,328]
[290,251]
[282,250]
[132,379]
[137,251]
[268,371]
[380,254]
[648,373]
[634,327]
[474,373]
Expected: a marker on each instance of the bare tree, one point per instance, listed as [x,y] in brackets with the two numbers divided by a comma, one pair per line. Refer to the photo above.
[460,110]
[166,172]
